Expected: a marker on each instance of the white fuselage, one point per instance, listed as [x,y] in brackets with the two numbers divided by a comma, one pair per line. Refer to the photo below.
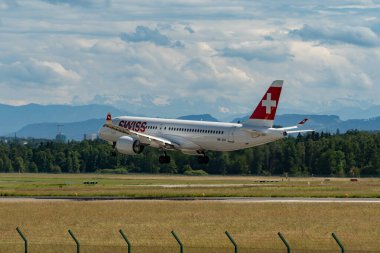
[193,137]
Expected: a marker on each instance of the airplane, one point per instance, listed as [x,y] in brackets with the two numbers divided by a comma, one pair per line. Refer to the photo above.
[130,135]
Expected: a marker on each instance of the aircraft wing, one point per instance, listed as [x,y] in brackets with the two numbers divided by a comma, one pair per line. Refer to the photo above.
[144,138]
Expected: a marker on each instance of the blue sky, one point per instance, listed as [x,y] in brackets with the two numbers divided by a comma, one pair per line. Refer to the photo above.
[171,58]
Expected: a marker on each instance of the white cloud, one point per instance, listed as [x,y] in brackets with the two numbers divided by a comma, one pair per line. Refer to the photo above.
[357,35]
[58,69]
[33,72]
[7,4]
[263,51]
[81,3]
[335,70]
[223,109]
[219,58]
[146,34]
[161,101]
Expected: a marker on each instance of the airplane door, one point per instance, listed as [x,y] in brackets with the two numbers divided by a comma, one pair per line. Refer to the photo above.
[231,137]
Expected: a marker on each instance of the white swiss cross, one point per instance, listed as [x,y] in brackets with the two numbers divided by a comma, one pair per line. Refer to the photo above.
[268,103]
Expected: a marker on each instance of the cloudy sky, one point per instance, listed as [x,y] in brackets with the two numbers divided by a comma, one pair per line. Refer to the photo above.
[172,58]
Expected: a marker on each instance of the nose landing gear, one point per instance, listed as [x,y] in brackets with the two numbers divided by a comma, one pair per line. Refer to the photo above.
[113,153]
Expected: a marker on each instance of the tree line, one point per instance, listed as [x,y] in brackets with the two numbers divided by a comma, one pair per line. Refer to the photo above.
[321,154]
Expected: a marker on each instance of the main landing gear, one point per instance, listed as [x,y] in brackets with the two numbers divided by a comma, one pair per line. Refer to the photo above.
[164,159]
[203,159]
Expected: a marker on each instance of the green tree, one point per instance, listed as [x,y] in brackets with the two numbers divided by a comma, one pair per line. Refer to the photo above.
[19,164]
[33,167]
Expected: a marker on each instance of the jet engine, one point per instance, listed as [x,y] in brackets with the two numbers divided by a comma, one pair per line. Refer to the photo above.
[127,145]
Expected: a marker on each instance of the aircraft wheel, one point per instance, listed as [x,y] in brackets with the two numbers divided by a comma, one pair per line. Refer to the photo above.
[164,159]
[113,153]
[203,159]
[161,159]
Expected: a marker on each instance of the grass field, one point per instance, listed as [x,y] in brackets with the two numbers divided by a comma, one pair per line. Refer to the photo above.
[200,225]
[183,186]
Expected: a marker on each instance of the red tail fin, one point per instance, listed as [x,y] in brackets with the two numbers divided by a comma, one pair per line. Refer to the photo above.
[265,111]
[109,119]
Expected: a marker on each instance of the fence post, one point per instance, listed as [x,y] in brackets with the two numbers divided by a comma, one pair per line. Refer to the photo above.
[126,239]
[179,242]
[338,242]
[233,241]
[24,238]
[76,240]
[284,241]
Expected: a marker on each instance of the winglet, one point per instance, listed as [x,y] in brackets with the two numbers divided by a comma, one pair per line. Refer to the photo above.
[303,121]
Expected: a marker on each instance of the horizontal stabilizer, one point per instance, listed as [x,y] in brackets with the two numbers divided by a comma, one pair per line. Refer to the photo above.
[299,131]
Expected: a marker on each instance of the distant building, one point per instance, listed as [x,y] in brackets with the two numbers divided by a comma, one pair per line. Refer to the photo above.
[60,138]
[90,137]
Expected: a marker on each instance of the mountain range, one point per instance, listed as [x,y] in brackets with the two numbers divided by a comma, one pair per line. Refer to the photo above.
[16,117]
[41,121]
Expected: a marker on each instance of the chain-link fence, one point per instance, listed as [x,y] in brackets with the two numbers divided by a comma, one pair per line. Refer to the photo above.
[278,244]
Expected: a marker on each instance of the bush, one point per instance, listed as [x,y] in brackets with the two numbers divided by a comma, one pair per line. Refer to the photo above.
[112,171]
[195,173]
[55,169]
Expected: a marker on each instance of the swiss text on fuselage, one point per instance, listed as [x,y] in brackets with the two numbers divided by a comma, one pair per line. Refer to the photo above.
[136,126]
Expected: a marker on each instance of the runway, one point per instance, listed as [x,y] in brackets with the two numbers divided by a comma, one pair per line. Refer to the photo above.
[200,199]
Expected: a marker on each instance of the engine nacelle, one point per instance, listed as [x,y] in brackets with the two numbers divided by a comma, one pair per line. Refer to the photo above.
[127,145]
